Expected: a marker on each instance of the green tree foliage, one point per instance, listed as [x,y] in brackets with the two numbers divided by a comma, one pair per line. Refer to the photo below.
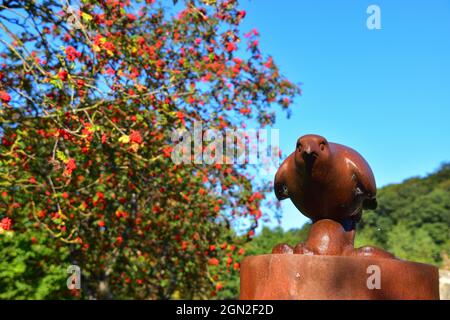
[412,244]
[267,239]
[30,268]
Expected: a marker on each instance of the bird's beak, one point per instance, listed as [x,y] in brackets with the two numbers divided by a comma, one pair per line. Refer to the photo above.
[309,156]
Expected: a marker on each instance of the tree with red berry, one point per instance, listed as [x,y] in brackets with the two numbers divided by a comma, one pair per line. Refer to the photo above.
[89,96]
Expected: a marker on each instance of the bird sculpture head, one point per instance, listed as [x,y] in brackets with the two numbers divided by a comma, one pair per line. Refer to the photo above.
[311,151]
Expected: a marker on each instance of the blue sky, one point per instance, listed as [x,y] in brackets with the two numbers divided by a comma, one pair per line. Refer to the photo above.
[386,93]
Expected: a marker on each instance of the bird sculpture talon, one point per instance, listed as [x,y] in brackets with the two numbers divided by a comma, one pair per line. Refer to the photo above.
[329,238]
[282,248]
[374,252]
[300,248]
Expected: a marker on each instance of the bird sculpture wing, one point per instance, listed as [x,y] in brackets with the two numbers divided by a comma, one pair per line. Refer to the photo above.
[364,176]
[280,185]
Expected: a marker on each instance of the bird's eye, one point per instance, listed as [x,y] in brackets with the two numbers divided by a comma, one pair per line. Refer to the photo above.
[322,146]
[299,146]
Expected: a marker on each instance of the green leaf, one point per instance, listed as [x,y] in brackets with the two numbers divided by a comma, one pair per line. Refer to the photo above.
[61,156]
[86,17]
[124,139]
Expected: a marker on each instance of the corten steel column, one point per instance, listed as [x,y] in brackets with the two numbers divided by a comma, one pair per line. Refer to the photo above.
[302,277]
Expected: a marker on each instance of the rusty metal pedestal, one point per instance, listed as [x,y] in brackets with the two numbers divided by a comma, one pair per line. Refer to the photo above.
[303,277]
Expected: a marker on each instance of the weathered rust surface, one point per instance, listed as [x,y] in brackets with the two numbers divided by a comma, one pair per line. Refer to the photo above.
[332,184]
[303,277]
